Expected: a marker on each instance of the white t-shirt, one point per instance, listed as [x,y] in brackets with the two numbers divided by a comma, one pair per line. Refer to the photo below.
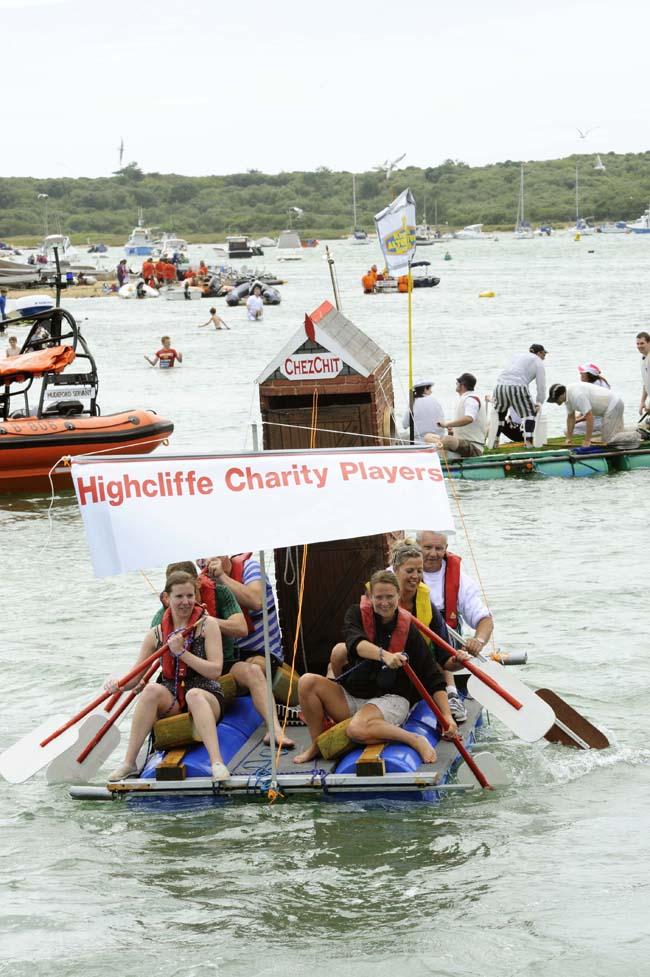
[522,370]
[584,397]
[427,411]
[255,305]
[645,373]
[470,603]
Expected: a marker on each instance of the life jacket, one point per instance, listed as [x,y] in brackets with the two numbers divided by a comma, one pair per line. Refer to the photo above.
[423,608]
[173,668]
[452,586]
[399,635]
[238,563]
[368,282]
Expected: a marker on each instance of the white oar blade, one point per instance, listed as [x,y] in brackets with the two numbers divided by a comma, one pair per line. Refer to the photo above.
[489,766]
[65,769]
[26,757]
[531,722]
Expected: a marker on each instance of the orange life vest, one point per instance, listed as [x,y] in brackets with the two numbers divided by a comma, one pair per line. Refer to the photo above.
[173,668]
[452,586]
[399,635]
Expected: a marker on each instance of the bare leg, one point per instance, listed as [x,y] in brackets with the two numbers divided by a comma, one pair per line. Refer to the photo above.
[338,660]
[205,712]
[369,726]
[154,701]
[252,677]
[318,696]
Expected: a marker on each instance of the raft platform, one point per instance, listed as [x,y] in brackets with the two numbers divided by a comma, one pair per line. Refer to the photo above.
[241,740]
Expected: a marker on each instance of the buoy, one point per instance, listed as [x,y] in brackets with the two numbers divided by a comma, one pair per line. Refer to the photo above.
[486,295]
[447,256]
[577,236]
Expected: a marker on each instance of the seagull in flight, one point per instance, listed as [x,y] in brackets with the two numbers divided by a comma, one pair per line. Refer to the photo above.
[388,166]
[583,135]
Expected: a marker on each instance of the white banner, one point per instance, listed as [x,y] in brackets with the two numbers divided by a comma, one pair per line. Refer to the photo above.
[146,512]
[396,232]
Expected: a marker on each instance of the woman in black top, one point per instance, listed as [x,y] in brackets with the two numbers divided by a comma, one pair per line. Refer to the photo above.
[375,692]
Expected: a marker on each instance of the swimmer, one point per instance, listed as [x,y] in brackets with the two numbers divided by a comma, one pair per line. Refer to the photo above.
[214,320]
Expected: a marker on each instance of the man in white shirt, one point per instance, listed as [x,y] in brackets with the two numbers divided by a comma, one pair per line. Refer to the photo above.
[467,431]
[255,304]
[591,401]
[453,592]
[427,411]
[643,346]
[512,389]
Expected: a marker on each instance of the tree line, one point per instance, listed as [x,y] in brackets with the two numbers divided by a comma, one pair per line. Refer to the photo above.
[256,203]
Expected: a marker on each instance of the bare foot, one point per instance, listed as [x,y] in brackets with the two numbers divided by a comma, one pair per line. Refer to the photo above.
[284,742]
[309,754]
[425,749]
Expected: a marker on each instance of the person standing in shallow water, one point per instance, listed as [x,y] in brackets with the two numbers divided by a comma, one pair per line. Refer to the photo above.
[214,320]
[255,304]
[166,355]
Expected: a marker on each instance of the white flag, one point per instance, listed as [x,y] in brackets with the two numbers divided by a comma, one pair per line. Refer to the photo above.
[143,512]
[396,232]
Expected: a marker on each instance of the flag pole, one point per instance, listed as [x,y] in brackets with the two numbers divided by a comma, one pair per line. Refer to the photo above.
[410,343]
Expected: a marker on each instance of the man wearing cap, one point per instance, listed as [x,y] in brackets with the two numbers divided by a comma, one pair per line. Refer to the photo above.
[427,412]
[643,346]
[470,423]
[512,389]
[592,402]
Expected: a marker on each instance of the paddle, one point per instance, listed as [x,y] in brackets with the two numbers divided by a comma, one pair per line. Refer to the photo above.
[90,746]
[503,694]
[65,769]
[497,775]
[569,728]
[53,737]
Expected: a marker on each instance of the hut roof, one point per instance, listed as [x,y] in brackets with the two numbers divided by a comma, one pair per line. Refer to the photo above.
[328,329]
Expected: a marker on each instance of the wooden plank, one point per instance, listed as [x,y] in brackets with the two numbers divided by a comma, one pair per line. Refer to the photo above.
[171,767]
[370,763]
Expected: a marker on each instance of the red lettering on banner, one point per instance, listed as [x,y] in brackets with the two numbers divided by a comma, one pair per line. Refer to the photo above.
[165,484]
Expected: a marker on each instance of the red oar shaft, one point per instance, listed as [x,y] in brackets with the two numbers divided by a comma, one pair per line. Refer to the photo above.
[101,733]
[138,670]
[487,679]
[112,702]
[458,743]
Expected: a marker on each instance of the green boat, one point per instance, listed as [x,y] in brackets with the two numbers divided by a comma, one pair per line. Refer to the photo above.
[555,460]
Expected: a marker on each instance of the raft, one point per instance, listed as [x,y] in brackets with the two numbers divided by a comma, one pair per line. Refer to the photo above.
[513,461]
[399,773]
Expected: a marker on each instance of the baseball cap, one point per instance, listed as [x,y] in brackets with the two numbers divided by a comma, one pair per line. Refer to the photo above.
[537,348]
[557,389]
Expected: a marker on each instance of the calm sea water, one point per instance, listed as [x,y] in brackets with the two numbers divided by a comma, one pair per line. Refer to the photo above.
[545,877]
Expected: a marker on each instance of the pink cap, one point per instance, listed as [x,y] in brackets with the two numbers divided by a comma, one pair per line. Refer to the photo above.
[590,368]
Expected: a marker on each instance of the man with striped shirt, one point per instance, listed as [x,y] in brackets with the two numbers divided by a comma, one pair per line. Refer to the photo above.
[249,671]
[512,389]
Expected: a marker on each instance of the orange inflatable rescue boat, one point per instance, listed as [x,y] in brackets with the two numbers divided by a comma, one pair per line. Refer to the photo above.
[62,418]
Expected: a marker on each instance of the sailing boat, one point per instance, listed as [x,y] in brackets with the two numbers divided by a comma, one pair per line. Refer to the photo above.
[582,227]
[424,233]
[523,230]
[358,236]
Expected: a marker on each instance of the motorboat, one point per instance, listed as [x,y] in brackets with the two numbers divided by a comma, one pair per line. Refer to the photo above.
[140,241]
[426,236]
[168,245]
[64,418]
[474,232]
[289,246]
[97,248]
[240,246]
[18,272]
[420,279]
[641,225]
[618,227]
[583,227]
[31,305]
[266,242]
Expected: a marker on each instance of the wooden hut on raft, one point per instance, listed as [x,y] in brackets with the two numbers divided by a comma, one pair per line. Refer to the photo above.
[329,387]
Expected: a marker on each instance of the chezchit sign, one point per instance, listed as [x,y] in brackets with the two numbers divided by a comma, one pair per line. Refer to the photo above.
[143,512]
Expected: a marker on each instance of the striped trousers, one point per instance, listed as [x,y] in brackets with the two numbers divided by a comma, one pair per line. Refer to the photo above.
[506,396]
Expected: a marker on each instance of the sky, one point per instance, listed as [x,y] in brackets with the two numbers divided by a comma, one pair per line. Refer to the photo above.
[212,88]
